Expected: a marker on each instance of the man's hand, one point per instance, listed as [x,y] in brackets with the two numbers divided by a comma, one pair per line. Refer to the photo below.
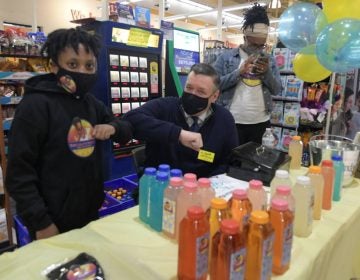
[192,140]
[103,131]
[47,232]
[261,65]
[248,65]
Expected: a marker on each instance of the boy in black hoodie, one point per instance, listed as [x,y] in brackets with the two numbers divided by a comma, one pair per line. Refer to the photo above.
[54,168]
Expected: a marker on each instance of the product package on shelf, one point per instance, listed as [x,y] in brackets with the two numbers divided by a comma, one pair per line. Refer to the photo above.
[277,113]
[291,114]
[286,137]
[276,130]
[294,88]
[281,58]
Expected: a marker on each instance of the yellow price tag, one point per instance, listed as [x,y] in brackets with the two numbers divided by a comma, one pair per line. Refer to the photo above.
[206,156]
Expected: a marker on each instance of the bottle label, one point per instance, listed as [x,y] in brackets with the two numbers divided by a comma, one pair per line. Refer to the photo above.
[245,220]
[267,251]
[202,253]
[169,214]
[287,244]
[311,207]
[237,265]
[268,142]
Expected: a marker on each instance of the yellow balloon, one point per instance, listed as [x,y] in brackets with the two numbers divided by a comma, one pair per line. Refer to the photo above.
[308,68]
[337,9]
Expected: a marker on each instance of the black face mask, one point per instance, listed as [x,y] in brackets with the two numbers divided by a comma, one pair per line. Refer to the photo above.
[74,82]
[192,103]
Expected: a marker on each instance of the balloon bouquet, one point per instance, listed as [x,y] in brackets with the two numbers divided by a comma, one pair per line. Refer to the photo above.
[325,40]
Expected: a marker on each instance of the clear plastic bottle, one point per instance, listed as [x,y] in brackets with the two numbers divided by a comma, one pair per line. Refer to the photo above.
[328,173]
[193,245]
[339,176]
[317,182]
[268,139]
[281,219]
[228,252]
[190,177]
[281,178]
[145,183]
[304,205]
[257,195]
[206,192]
[240,208]
[295,151]
[284,193]
[175,173]
[156,200]
[169,206]
[189,196]
[259,247]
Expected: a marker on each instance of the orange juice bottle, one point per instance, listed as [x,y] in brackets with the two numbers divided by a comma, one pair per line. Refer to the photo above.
[317,181]
[259,247]
[193,245]
[295,151]
[240,208]
[231,252]
[328,172]
[281,219]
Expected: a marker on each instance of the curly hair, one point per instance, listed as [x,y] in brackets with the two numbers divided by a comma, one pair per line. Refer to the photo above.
[256,14]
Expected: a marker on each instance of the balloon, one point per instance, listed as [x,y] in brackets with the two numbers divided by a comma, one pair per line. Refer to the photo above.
[308,68]
[300,24]
[338,45]
[338,9]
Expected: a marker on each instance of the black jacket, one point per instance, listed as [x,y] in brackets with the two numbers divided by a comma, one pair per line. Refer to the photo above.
[52,175]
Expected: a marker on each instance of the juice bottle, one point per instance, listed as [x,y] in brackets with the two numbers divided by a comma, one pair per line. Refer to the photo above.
[175,173]
[240,208]
[193,245]
[156,200]
[206,192]
[257,195]
[164,168]
[190,177]
[339,176]
[145,183]
[259,247]
[284,193]
[328,173]
[317,181]
[281,219]
[304,204]
[169,206]
[281,178]
[187,197]
[295,151]
[229,259]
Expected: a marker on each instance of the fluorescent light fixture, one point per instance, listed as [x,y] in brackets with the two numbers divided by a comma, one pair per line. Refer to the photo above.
[242,6]
[202,14]
[195,4]
[274,4]
[233,17]
[130,1]
[173,18]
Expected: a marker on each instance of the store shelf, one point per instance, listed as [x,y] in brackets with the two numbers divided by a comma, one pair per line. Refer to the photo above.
[20,55]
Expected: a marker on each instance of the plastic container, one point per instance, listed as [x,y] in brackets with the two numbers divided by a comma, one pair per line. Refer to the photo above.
[175,173]
[339,177]
[295,151]
[193,245]
[304,204]
[281,219]
[228,252]
[206,192]
[164,168]
[317,182]
[259,247]
[284,193]
[145,183]
[268,139]
[281,178]
[328,173]
[190,177]
[240,208]
[169,206]
[257,195]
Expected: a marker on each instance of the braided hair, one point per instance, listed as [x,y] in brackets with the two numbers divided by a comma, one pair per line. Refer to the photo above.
[60,39]
[256,14]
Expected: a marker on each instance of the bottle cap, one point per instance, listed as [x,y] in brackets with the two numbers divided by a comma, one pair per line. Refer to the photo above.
[218,203]
[175,173]
[195,212]
[190,177]
[229,226]
[304,180]
[239,194]
[336,157]
[296,137]
[175,182]
[283,190]
[204,183]
[327,163]
[255,184]
[162,176]
[314,169]
[283,174]
[190,186]
[150,171]
[259,217]
[164,168]
[279,204]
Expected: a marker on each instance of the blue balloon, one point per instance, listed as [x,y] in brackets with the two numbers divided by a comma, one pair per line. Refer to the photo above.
[338,45]
[300,24]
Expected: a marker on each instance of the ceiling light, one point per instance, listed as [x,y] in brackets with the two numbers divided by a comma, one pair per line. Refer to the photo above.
[195,4]
[242,6]
[202,14]
[275,4]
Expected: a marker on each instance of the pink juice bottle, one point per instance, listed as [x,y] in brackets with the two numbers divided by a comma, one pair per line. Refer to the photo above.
[257,195]
[206,192]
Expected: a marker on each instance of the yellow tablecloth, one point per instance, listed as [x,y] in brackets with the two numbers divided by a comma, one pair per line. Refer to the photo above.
[127,249]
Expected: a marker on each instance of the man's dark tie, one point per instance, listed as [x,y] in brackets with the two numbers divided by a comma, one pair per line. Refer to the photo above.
[195,126]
